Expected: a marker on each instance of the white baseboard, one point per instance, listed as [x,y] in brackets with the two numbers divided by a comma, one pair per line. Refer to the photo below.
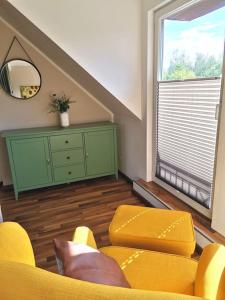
[201,238]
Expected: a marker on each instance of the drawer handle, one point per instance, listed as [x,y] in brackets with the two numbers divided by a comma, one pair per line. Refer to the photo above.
[66,142]
[68,157]
[69,172]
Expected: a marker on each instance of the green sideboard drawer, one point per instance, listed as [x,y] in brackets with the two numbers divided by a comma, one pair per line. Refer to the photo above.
[66,141]
[67,157]
[69,172]
[47,156]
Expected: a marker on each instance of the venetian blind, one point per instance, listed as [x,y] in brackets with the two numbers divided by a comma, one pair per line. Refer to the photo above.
[186,135]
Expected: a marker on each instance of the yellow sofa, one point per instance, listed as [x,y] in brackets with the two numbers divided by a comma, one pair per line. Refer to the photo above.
[152,275]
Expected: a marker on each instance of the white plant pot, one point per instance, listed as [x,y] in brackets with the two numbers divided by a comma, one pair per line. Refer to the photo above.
[64,119]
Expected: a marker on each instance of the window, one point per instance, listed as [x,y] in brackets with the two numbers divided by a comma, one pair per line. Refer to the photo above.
[193,48]
[188,98]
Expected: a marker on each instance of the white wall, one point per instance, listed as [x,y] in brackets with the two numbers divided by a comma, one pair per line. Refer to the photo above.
[136,135]
[35,112]
[104,37]
[135,138]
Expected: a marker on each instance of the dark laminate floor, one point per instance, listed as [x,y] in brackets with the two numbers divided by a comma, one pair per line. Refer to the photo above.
[56,211]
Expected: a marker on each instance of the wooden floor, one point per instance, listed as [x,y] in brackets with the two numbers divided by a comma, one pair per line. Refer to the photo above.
[202,223]
[55,212]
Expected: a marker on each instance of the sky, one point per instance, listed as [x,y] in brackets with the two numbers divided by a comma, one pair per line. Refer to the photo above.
[203,35]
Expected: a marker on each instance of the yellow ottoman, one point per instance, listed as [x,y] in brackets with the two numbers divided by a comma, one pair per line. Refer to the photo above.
[154,229]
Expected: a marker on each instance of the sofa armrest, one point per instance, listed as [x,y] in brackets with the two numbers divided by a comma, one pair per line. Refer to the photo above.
[15,244]
[83,235]
[221,289]
[33,283]
[209,272]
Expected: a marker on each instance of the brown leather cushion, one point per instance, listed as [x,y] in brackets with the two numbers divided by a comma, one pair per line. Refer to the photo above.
[85,263]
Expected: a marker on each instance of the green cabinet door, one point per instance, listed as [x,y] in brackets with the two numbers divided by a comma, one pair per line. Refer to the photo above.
[100,153]
[31,162]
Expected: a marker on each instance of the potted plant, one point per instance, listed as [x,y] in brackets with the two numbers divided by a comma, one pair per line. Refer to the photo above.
[62,105]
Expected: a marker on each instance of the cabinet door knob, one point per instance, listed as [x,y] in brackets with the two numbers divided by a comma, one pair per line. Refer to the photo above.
[66,142]
[48,160]
[69,173]
[86,154]
[68,157]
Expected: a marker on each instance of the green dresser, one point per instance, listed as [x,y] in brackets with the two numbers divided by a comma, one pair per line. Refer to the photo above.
[47,156]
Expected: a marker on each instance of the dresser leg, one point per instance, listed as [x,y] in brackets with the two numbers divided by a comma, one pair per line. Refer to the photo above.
[16,194]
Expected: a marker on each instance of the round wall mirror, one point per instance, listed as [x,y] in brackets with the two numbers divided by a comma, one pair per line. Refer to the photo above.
[20,79]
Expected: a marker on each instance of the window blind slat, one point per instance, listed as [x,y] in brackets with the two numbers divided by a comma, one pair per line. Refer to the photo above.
[183,129]
[179,146]
[180,133]
[201,170]
[187,139]
[184,124]
[196,121]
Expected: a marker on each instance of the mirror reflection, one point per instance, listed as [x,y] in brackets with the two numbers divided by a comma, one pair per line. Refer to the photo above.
[20,79]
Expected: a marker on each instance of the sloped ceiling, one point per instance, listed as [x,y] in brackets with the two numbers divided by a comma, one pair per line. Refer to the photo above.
[98,43]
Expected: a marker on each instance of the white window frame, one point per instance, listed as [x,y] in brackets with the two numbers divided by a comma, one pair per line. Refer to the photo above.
[218,210]
[159,16]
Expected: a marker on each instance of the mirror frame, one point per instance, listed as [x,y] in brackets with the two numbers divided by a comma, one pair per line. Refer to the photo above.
[31,63]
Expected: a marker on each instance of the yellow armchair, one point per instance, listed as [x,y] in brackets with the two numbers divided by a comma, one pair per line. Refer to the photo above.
[15,244]
[21,280]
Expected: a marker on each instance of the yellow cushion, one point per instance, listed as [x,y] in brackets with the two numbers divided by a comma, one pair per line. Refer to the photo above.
[155,271]
[23,282]
[154,229]
[15,244]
